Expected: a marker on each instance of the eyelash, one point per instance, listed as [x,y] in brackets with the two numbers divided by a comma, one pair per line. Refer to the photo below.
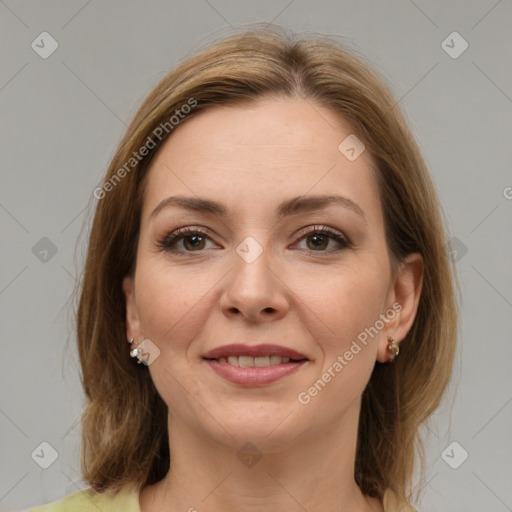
[168,242]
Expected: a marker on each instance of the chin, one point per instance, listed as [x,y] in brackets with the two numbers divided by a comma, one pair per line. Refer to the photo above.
[268,426]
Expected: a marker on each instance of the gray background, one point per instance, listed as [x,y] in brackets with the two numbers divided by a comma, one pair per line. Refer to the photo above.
[62,118]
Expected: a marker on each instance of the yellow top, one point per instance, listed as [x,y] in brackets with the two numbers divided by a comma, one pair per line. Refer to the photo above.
[127,500]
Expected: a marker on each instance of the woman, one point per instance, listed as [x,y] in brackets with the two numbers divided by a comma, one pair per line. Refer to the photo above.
[269,241]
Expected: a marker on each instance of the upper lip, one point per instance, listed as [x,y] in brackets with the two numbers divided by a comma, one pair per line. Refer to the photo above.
[253,351]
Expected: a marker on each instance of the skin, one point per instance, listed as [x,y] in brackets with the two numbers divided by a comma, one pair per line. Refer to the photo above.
[251,158]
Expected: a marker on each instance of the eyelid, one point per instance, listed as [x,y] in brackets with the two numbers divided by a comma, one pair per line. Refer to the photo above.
[321,228]
[178,234]
[182,232]
[337,236]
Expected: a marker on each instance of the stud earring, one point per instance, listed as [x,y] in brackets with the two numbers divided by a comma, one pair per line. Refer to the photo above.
[393,348]
[135,352]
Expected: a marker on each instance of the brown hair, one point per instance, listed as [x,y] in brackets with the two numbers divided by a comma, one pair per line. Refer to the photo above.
[124,436]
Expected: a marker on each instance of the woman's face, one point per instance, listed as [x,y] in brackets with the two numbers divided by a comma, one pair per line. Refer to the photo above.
[253,270]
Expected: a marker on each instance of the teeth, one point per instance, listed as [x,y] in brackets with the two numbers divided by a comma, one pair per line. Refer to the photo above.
[233,360]
[245,361]
[275,360]
[254,362]
[262,361]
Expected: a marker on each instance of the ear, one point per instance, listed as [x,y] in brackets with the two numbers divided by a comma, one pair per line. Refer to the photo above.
[403,298]
[132,317]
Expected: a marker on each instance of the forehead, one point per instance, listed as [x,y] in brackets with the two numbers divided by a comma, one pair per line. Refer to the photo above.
[260,153]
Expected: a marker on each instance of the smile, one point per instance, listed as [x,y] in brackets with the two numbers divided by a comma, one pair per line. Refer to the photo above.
[254,366]
[253,362]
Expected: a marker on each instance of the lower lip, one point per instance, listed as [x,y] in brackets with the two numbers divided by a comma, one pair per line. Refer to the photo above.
[255,376]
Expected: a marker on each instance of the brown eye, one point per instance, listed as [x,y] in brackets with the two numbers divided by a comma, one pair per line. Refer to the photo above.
[318,241]
[193,242]
[184,240]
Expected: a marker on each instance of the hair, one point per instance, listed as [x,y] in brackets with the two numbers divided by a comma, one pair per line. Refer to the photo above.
[124,424]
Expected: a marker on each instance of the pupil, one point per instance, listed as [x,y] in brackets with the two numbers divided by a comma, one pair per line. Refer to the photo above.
[318,240]
[194,241]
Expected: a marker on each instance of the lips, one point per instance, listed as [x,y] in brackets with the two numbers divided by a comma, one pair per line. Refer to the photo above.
[253,362]
[254,365]
[257,351]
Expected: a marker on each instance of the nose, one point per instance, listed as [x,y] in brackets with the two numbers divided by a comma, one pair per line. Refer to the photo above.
[255,290]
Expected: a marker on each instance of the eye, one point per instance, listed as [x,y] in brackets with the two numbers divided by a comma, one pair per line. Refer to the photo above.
[317,239]
[187,240]
[191,240]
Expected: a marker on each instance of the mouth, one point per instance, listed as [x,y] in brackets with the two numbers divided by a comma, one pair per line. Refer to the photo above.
[254,362]
[254,366]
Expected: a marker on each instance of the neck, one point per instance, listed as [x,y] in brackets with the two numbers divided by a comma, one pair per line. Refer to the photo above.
[314,473]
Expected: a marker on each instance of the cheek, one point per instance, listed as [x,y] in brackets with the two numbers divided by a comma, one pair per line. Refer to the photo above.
[343,320]
[171,302]
[344,303]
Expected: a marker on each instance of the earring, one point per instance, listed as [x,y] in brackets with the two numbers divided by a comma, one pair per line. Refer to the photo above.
[135,352]
[393,348]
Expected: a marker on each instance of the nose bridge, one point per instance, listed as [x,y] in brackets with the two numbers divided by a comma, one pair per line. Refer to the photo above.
[252,265]
[254,288]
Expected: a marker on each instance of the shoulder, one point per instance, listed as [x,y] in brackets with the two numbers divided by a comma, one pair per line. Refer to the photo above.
[89,500]
[392,503]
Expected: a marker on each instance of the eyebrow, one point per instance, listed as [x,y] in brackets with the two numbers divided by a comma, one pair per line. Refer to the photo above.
[287,208]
